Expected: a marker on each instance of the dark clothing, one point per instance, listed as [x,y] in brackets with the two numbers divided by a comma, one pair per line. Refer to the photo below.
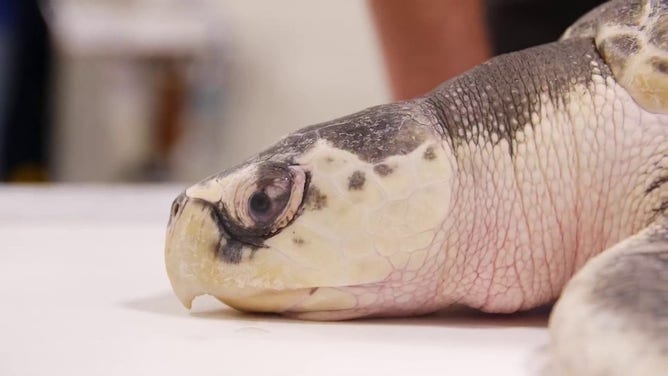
[517,24]
[25,122]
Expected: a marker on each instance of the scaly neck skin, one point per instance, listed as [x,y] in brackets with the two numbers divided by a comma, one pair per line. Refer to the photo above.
[554,161]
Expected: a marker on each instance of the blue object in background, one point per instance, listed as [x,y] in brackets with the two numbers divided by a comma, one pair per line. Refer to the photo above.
[7,26]
[25,120]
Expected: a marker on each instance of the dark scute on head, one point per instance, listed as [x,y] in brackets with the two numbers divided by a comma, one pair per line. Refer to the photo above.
[231,252]
[315,200]
[377,132]
[356,181]
[288,147]
[372,134]
[429,154]
[382,169]
[298,241]
[498,97]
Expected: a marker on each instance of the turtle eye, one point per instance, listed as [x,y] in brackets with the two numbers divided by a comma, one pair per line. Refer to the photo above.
[266,205]
[260,203]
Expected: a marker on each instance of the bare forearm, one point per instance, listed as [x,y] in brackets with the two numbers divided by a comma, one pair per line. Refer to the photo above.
[425,42]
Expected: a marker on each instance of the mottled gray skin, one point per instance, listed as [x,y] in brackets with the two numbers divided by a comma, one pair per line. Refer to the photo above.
[636,285]
[497,97]
[373,134]
[493,98]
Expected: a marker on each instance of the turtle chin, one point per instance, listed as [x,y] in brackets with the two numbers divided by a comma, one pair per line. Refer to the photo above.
[352,302]
[317,303]
[328,315]
[333,315]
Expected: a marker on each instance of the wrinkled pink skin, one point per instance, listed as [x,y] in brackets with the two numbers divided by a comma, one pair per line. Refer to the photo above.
[519,227]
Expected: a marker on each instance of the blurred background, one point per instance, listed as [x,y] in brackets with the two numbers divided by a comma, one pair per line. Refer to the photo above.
[174,90]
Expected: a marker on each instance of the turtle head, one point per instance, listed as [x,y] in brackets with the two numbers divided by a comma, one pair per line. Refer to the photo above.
[316,227]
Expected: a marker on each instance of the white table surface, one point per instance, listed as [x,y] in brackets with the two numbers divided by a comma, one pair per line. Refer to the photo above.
[83,291]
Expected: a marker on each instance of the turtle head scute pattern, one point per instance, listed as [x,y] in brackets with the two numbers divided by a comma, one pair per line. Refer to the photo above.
[378,132]
[296,225]
[315,200]
[356,181]
[383,169]
[373,134]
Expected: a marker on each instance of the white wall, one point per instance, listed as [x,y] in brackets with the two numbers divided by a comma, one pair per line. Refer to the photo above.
[291,63]
[286,64]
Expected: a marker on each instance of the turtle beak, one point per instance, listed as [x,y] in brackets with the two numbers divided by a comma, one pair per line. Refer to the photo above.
[194,269]
[191,235]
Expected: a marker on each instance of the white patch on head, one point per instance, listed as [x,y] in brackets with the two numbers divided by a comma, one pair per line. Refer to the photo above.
[365,234]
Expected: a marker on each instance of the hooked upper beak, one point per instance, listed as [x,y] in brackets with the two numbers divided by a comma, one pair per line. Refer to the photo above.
[194,268]
[190,234]
[267,282]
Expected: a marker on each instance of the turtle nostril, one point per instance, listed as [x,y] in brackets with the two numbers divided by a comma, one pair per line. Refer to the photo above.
[177,205]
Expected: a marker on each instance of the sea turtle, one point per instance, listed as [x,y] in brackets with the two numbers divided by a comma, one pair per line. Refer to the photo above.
[536,176]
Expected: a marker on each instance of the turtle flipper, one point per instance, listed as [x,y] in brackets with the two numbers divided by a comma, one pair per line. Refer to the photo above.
[632,37]
[612,318]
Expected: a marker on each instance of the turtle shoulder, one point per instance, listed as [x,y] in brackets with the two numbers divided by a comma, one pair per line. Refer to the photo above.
[632,38]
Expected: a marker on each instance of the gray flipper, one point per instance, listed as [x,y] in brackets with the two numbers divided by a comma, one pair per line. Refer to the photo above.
[612,318]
